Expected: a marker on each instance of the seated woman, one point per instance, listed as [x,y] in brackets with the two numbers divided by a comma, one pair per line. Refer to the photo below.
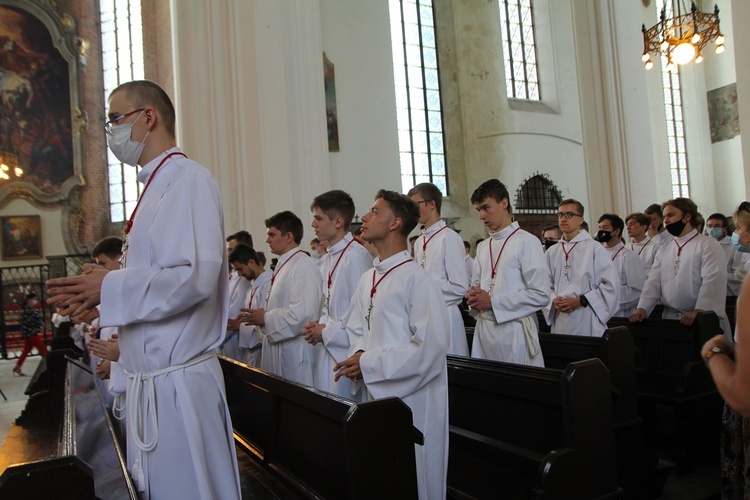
[729,363]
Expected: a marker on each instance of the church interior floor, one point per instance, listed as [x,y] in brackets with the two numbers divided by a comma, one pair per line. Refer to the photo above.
[257,483]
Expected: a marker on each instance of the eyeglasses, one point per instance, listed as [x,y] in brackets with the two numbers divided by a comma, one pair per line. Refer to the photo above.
[567,215]
[108,124]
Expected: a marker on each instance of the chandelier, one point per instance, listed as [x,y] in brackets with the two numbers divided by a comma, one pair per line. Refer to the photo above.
[683,37]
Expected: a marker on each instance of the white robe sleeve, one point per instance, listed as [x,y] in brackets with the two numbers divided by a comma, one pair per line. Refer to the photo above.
[303,299]
[187,259]
[712,293]
[535,293]
[604,296]
[630,291]
[455,285]
[651,293]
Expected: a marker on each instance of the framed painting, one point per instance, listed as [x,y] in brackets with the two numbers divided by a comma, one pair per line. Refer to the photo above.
[21,237]
[41,124]
[332,120]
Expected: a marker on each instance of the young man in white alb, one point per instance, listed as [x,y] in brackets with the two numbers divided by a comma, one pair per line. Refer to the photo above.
[629,267]
[689,273]
[510,283]
[399,330]
[440,251]
[247,264]
[585,284]
[341,267]
[294,299]
[641,244]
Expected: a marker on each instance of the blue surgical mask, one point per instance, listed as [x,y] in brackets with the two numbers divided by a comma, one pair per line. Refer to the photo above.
[739,246]
[715,232]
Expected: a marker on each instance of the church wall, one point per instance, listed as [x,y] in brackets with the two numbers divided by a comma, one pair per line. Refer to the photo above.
[740,20]
[356,39]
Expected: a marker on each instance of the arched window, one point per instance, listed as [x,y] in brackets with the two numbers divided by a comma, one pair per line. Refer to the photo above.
[418,106]
[122,58]
[537,195]
[519,50]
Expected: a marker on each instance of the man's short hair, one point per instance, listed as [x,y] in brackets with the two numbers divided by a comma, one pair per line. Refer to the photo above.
[413,238]
[335,203]
[242,237]
[721,217]
[571,201]
[640,218]
[111,246]
[615,220]
[402,207]
[430,192]
[654,208]
[243,254]
[287,222]
[684,205]
[494,189]
[142,93]
[742,214]
[467,245]
[262,258]
[552,227]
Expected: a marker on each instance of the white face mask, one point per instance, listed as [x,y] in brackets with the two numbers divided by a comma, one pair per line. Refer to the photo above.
[123,146]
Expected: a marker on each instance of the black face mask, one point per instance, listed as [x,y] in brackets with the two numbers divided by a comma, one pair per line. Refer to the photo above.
[603,236]
[676,228]
[548,244]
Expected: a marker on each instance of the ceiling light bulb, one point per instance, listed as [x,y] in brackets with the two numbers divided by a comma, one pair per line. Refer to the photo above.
[664,45]
[684,53]
[720,40]
[699,59]
[720,49]
[3,175]
[696,38]
[4,167]
[19,171]
[645,57]
[649,64]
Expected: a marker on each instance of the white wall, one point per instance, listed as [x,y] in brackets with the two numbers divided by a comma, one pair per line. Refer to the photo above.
[356,39]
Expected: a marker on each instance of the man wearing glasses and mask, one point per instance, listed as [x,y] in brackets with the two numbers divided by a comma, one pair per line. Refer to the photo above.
[585,285]
[169,302]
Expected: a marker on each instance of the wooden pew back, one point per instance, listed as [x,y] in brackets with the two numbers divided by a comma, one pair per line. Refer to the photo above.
[557,425]
[322,445]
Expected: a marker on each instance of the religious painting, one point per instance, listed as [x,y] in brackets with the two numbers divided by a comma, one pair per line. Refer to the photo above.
[21,237]
[38,71]
[331,115]
[723,113]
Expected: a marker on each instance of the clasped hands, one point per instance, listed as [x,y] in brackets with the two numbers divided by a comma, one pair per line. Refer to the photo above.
[566,304]
[78,295]
[252,317]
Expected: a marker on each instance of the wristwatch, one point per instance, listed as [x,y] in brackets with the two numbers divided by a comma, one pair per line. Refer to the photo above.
[584,301]
[712,352]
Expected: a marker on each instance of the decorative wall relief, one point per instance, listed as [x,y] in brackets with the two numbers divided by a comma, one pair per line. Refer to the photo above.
[723,113]
[41,122]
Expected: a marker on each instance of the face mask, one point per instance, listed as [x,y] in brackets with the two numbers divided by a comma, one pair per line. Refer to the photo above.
[739,246]
[603,236]
[123,146]
[314,254]
[715,232]
[548,244]
[676,228]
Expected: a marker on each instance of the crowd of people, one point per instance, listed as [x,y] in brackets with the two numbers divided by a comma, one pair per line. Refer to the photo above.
[362,317]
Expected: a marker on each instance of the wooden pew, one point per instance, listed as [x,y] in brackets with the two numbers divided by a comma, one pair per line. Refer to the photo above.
[520,432]
[75,456]
[320,445]
[640,472]
[675,390]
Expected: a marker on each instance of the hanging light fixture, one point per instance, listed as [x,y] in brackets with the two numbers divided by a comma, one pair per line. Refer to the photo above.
[682,38]
[9,166]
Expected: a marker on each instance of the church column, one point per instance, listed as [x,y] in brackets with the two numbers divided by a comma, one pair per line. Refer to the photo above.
[614,109]
[250,103]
